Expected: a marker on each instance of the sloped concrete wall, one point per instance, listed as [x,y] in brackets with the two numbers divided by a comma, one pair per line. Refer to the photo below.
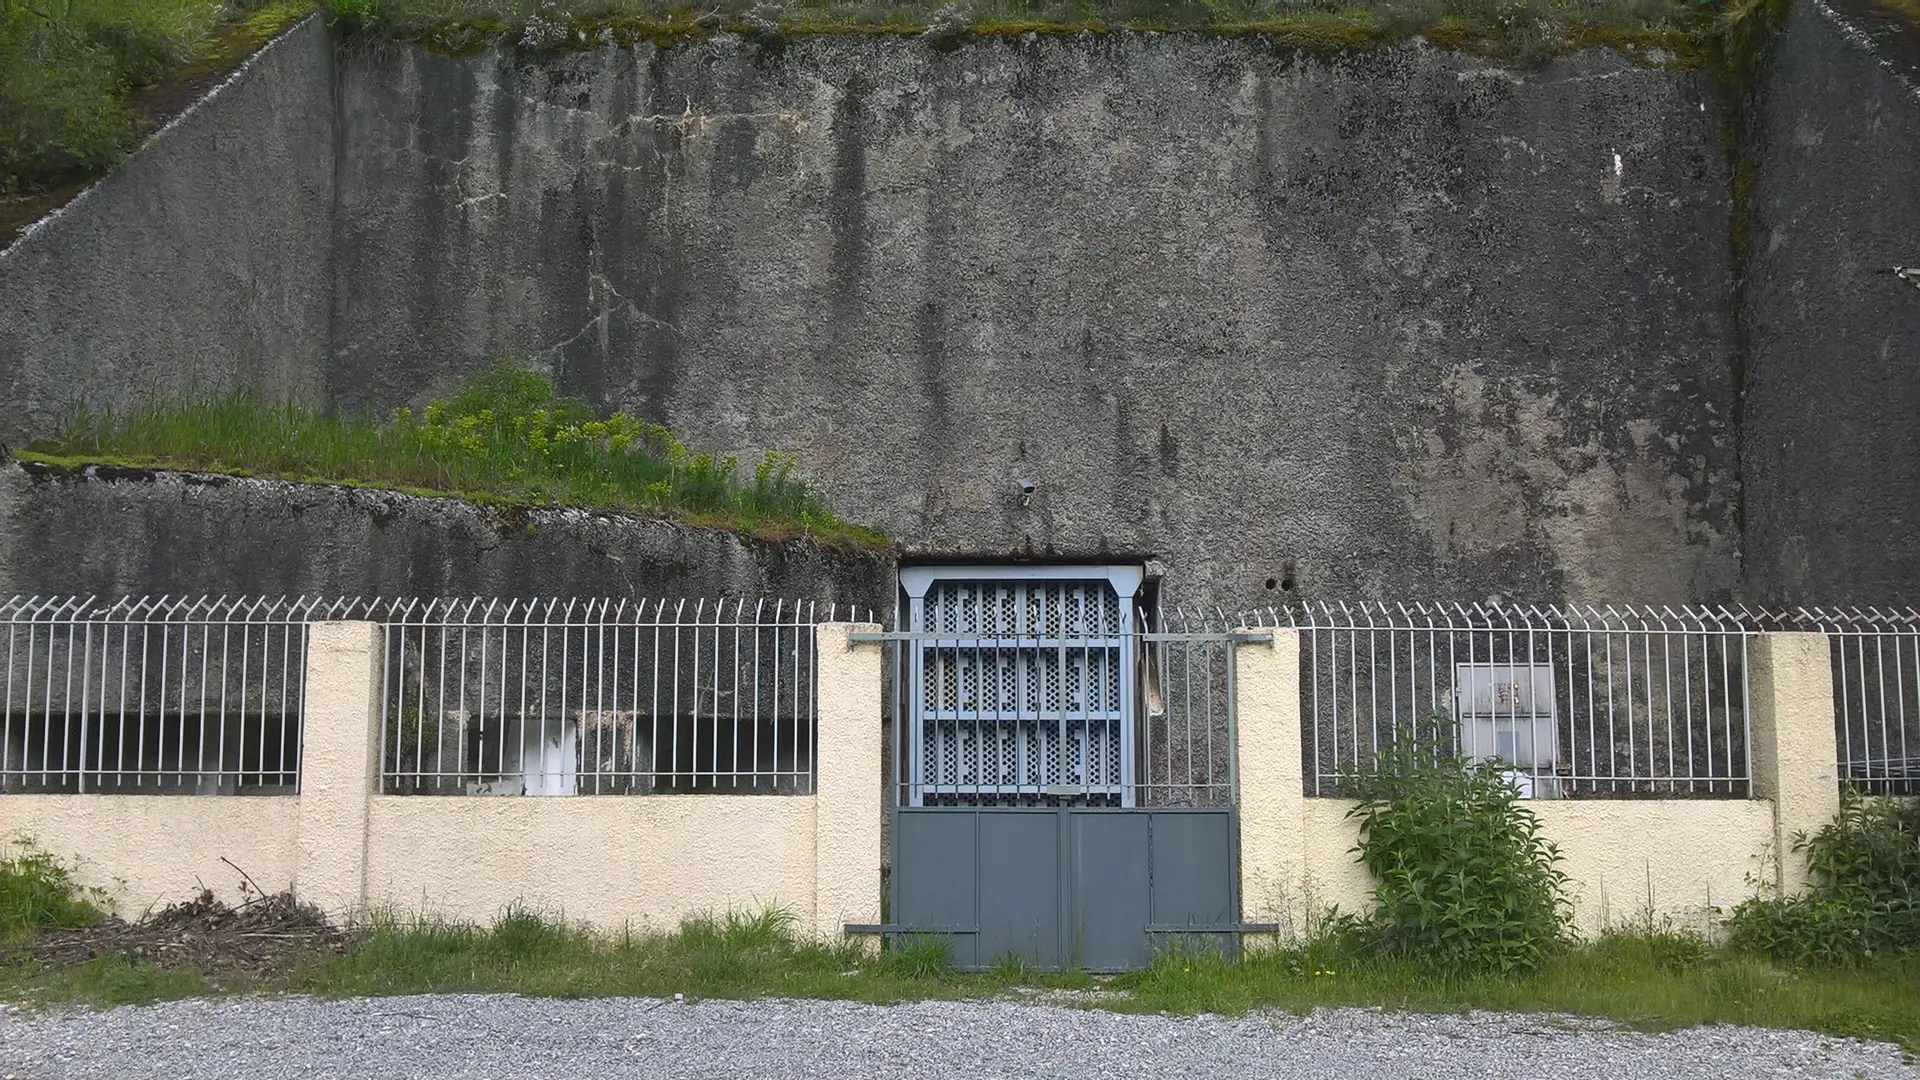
[201,266]
[1387,322]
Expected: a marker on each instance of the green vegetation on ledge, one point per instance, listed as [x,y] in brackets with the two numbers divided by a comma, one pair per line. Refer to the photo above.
[503,437]
[1667,31]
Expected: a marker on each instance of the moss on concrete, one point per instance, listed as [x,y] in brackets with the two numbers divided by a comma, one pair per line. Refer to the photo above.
[1525,31]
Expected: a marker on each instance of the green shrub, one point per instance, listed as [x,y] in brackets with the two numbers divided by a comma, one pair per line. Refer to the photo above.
[354,14]
[38,893]
[1464,881]
[1865,902]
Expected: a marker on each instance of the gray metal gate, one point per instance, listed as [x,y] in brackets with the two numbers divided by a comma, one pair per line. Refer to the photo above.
[1062,771]
[1090,888]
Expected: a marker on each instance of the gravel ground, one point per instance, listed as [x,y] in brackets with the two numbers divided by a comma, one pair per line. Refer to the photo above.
[500,1036]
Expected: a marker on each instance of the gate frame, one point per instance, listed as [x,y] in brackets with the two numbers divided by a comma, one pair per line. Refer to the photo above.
[1231,932]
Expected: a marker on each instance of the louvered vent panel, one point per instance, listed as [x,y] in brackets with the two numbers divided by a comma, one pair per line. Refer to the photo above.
[1027,703]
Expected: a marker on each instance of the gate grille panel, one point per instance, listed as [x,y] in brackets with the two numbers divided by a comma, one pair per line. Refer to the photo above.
[1030,702]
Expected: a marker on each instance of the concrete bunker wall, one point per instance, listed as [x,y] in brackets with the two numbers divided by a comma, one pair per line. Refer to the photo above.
[1830,451]
[1393,321]
[200,266]
[1388,321]
[1381,322]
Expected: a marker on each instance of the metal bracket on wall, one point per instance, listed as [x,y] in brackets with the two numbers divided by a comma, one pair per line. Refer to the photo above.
[1216,928]
[1238,637]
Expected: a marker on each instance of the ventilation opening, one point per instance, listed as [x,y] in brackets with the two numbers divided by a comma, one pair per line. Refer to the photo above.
[1023,692]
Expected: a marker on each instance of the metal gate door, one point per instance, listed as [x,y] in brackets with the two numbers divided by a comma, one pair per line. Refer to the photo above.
[1093,889]
[1062,770]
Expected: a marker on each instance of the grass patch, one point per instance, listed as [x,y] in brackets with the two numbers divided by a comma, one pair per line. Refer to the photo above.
[1524,30]
[503,437]
[1648,981]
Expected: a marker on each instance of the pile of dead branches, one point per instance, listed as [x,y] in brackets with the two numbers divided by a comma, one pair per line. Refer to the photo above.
[261,935]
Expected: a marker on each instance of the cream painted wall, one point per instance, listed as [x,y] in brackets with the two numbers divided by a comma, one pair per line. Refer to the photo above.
[641,861]
[151,850]
[1794,759]
[1272,856]
[850,800]
[1679,858]
[339,762]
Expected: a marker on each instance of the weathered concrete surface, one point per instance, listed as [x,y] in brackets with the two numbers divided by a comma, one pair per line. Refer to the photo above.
[173,533]
[201,266]
[1830,448]
[1388,323]
[1396,322]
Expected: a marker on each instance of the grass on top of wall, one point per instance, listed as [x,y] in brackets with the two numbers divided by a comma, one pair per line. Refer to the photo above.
[1522,30]
[82,80]
[504,437]
[1644,980]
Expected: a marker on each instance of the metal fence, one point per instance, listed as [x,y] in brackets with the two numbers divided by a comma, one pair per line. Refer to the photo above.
[1577,701]
[1125,713]
[606,697]
[168,695]
[1876,692]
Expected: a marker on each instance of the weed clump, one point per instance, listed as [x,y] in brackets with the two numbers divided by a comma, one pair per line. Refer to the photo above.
[1465,882]
[1865,904]
[39,893]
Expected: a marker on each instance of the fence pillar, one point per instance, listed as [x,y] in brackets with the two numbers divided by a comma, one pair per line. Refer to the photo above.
[339,763]
[1793,760]
[850,793]
[1272,791]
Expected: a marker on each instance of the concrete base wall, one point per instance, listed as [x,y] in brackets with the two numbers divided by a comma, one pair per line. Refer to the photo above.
[1626,861]
[642,862]
[150,851]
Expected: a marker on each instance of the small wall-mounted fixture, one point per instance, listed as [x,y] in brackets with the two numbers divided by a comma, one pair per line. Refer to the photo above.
[1908,274]
[1026,491]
